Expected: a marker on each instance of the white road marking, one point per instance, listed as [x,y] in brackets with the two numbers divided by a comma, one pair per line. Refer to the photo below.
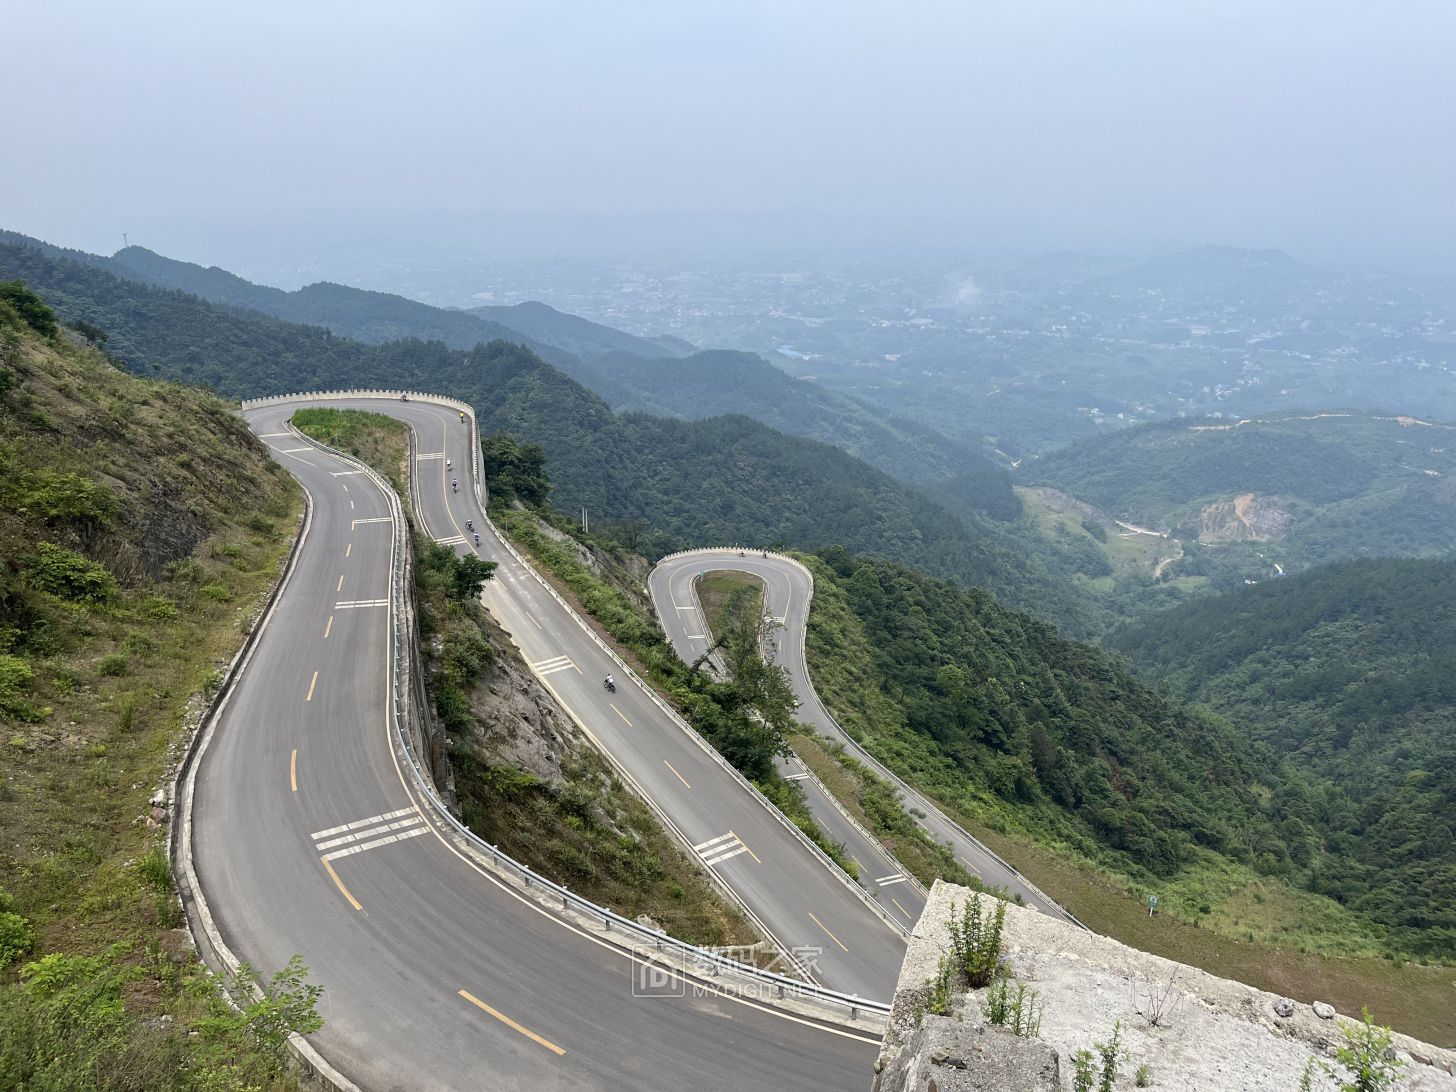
[556,663]
[343,473]
[722,848]
[272,435]
[293,450]
[362,603]
[795,776]
[886,881]
[458,540]
[370,519]
[362,823]
[400,837]
[431,455]
[360,835]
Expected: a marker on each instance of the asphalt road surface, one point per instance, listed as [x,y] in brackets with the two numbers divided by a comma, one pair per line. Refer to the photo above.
[307,840]
[788,589]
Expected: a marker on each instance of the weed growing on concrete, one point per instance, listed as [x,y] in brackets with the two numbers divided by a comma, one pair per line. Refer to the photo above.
[941,989]
[1085,1070]
[1013,1005]
[1159,1006]
[1369,1063]
[975,937]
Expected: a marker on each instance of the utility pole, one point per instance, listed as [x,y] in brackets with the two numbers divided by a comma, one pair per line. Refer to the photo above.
[124,243]
[585,523]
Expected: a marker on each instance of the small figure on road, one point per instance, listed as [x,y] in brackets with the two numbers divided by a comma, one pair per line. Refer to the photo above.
[610,683]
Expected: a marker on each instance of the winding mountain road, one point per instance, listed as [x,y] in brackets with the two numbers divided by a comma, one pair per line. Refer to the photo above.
[306,837]
[788,590]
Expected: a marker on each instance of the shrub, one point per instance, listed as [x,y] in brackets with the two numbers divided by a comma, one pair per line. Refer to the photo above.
[31,309]
[67,574]
[16,935]
[68,497]
[113,664]
[15,676]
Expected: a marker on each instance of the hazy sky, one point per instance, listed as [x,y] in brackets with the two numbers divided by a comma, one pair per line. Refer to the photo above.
[218,130]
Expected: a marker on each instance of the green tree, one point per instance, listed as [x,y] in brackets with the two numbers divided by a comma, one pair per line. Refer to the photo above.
[515,469]
[32,310]
[468,576]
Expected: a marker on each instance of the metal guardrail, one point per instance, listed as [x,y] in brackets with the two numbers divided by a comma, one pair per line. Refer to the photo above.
[913,794]
[652,945]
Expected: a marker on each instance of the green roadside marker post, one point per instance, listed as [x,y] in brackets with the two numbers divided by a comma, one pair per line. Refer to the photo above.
[1152,904]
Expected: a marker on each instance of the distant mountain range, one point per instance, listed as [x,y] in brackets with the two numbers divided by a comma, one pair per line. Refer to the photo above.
[658,375]
[700,482]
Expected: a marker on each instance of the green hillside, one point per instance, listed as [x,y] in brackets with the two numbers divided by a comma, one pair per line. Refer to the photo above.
[660,375]
[727,479]
[371,317]
[1023,731]
[1349,670]
[141,526]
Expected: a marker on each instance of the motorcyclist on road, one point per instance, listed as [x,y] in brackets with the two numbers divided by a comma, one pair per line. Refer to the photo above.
[454,486]
[477,540]
[449,465]
[610,683]
[470,525]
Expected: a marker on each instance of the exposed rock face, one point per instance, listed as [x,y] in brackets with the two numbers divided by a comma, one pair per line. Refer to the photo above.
[1246,518]
[947,1055]
[517,722]
[1192,1029]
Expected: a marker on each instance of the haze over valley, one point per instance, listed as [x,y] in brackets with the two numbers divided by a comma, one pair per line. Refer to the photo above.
[728,546]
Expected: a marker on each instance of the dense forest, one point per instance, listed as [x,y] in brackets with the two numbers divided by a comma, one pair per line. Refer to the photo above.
[660,375]
[991,707]
[1349,671]
[708,384]
[727,479]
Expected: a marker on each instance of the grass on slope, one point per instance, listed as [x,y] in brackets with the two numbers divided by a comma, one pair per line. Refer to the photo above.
[585,830]
[1217,914]
[140,530]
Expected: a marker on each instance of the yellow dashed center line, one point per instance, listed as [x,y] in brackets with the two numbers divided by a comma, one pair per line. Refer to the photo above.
[311,684]
[508,1022]
[827,933]
[624,717]
[329,628]
[679,776]
[293,769]
[341,583]
[349,549]
[351,504]
[902,909]
[340,883]
[750,852]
